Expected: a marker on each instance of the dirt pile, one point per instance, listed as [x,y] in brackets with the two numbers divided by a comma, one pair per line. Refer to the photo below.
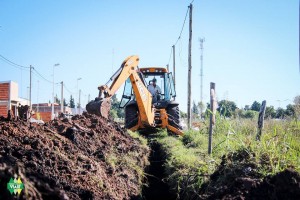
[87,157]
[237,178]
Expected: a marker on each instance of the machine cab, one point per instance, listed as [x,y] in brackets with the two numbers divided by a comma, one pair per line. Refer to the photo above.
[164,80]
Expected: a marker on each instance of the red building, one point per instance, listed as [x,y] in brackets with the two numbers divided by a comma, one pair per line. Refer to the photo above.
[9,98]
[43,111]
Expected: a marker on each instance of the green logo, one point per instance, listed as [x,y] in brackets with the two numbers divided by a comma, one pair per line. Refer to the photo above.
[15,186]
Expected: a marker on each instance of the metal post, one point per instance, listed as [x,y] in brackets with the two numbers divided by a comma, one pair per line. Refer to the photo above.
[77,106]
[62,98]
[52,106]
[190,70]
[79,101]
[30,86]
[37,105]
[52,113]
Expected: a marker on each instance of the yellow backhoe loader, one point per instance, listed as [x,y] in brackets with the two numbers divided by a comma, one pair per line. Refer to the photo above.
[143,111]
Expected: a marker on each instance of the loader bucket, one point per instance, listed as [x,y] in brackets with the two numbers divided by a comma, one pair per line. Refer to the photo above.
[100,107]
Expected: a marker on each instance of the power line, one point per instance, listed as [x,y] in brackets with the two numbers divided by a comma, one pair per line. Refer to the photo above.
[187,11]
[179,37]
[37,73]
[12,63]
[68,89]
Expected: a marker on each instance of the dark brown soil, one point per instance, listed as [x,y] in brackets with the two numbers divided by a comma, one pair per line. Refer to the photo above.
[87,157]
[237,178]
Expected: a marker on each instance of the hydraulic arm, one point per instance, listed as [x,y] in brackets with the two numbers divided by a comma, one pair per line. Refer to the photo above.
[129,69]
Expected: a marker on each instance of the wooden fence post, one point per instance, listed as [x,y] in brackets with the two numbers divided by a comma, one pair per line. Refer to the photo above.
[213,105]
[261,117]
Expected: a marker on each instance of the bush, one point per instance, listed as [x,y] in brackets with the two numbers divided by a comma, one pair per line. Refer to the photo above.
[249,114]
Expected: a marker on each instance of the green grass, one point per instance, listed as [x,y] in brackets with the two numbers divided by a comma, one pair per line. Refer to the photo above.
[188,165]
[137,136]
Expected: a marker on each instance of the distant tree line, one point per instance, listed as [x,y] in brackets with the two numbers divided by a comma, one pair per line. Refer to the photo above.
[229,109]
[226,109]
[58,101]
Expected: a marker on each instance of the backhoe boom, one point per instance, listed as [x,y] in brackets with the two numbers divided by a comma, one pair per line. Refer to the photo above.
[128,69]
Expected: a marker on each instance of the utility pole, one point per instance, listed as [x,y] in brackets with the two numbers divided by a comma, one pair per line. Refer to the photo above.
[77,106]
[201,76]
[52,115]
[190,69]
[62,98]
[37,97]
[212,119]
[30,86]
[79,102]
[168,67]
[89,96]
[174,66]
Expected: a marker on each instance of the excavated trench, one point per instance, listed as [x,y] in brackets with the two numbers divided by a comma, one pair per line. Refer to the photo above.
[156,188]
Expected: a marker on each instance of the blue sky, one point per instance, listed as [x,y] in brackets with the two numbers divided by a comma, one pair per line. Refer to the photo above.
[250,49]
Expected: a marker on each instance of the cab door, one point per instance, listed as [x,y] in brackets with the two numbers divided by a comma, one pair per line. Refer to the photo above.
[127,94]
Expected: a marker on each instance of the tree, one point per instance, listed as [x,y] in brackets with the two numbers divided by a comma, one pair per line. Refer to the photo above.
[116,111]
[249,114]
[56,99]
[183,114]
[201,106]
[113,113]
[247,107]
[72,102]
[255,106]
[195,109]
[297,106]
[207,111]
[65,103]
[290,110]
[226,108]
[297,100]
[270,112]
[280,113]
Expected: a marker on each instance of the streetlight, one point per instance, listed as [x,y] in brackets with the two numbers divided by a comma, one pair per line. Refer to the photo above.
[52,114]
[78,106]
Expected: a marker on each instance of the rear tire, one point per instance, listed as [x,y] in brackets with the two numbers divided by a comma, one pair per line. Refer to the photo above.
[131,116]
[173,117]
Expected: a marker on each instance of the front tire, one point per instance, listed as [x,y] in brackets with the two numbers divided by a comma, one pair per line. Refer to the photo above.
[174,117]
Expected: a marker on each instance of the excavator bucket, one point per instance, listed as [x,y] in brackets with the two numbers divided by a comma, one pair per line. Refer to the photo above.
[100,107]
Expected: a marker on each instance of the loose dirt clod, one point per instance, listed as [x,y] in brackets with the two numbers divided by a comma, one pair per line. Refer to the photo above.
[237,178]
[87,157]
